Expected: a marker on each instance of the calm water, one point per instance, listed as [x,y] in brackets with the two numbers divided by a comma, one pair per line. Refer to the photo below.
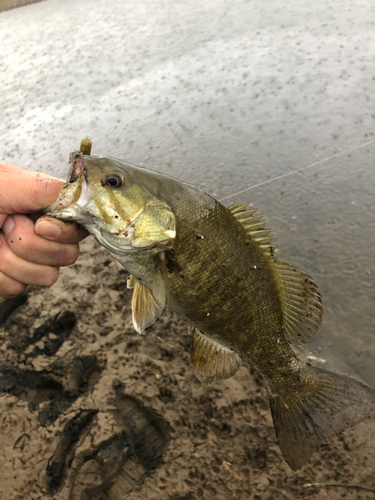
[224,95]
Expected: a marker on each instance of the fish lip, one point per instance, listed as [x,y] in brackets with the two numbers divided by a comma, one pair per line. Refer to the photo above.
[64,214]
[72,213]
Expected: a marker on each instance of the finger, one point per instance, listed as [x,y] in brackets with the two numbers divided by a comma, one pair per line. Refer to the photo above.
[23,191]
[57,230]
[23,271]
[26,244]
[9,287]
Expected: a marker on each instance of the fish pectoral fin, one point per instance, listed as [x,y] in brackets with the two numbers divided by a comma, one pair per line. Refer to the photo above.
[145,308]
[161,287]
[300,301]
[149,302]
[131,282]
[211,360]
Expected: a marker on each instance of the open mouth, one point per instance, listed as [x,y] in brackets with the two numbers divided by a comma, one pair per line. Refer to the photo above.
[76,193]
[77,168]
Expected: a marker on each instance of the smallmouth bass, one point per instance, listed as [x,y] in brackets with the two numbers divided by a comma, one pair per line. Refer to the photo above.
[217,268]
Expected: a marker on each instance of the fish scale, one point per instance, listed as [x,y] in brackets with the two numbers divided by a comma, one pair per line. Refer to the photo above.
[221,267]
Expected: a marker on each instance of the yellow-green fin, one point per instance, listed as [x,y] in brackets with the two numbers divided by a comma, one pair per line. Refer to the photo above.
[148,303]
[131,281]
[254,226]
[160,287]
[145,308]
[301,302]
[211,360]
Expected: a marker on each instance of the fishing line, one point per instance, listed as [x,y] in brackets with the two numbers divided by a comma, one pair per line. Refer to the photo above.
[299,170]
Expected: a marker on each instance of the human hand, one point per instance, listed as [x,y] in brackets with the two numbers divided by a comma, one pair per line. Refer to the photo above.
[31,254]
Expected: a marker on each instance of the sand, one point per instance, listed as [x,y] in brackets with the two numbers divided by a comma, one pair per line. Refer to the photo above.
[89,409]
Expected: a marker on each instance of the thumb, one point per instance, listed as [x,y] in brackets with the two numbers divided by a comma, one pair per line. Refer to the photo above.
[24,191]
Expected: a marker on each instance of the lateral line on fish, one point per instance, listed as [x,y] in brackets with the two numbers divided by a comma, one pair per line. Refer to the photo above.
[298,170]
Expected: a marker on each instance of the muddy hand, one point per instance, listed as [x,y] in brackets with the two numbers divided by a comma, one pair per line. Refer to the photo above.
[32,253]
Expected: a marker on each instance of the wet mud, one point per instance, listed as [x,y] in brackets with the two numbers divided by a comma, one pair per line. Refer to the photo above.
[89,409]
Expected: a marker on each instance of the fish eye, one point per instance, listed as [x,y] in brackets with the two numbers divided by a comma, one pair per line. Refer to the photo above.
[114,180]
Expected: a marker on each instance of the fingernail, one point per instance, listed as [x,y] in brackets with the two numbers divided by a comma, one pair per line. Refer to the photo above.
[48,230]
[8,225]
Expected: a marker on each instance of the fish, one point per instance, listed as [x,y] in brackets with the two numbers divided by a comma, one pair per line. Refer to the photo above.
[218,268]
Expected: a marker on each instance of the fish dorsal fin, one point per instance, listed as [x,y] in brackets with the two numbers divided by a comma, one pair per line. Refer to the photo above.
[301,302]
[254,226]
[300,299]
[145,308]
[211,360]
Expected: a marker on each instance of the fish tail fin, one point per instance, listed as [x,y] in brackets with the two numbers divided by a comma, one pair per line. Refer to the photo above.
[325,406]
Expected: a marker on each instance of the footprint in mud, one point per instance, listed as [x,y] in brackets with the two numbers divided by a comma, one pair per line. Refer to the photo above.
[11,305]
[113,467]
[50,336]
[62,381]
[59,385]
[100,455]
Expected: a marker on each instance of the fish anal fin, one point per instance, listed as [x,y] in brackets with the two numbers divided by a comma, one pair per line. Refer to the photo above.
[145,308]
[211,360]
[301,302]
[331,404]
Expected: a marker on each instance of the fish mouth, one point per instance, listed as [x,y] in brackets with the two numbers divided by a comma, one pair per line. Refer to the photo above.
[75,194]
[66,197]
[72,201]
[77,168]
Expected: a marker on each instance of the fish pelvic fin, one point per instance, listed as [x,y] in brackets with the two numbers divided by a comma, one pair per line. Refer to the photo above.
[329,405]
[211,360]
[301,302]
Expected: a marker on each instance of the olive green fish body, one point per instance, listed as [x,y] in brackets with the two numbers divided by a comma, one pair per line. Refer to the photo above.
[222,282]
[216,267]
